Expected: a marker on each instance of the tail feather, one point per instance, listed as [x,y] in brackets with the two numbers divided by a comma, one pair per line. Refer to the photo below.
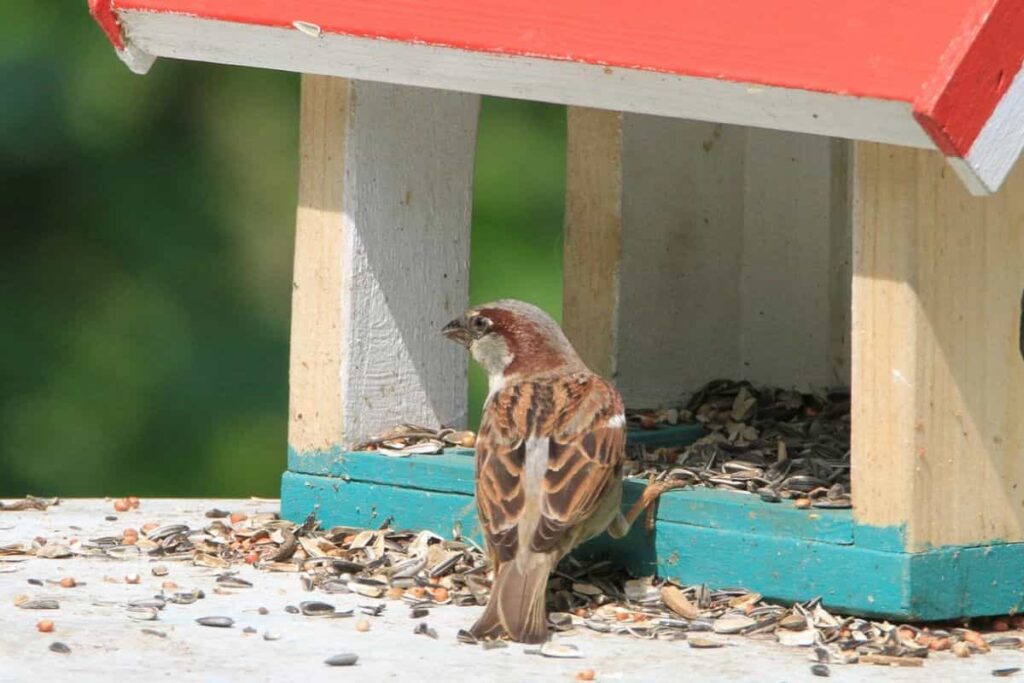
[489,623]
[516,605]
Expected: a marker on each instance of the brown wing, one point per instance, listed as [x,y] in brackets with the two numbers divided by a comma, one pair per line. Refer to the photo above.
[588,444]
[500,456]
[585,457]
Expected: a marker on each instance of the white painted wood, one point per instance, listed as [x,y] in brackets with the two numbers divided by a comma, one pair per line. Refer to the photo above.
[733,257]
[396,198]
[998,145]
[548,80]
[138,61]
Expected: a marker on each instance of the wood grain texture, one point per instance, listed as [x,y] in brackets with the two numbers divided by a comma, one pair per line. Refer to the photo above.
[314,373]
[592,249]
[384,235]
[938,379]
[733,250]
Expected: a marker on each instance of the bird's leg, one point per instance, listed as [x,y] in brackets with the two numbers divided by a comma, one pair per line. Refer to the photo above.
[648,498]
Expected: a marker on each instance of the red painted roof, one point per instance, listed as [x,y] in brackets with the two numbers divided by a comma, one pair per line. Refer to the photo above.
[953,59]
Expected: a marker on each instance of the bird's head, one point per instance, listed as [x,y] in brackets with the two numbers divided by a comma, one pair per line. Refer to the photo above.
[513,339]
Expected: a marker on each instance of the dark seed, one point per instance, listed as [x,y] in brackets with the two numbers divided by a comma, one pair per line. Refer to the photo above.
[263,610]
[291,609]
[465,637]
[217,622]
[418,613]
[423,630]
[154,632]
[233,581]
[314,608]
[40,604]
[35,582]
[821,670]
[60,648]
[1005,641]
[216,514]
[248,629]
[345,659]
[111,518]
[1002,673]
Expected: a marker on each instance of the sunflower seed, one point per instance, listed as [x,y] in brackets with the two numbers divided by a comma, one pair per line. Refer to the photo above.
[560,650]
[704,643]
[346,659]
[314,608]
[217,622]
[465,637]
[60,648]
[142,613]
[423,629]
[733,623]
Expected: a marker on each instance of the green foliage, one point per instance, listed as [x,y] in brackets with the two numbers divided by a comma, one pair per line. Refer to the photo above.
[146,254]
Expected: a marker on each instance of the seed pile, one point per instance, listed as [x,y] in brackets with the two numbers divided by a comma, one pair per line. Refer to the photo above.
[422,571]
[409,439]
[772,442]
[775,443]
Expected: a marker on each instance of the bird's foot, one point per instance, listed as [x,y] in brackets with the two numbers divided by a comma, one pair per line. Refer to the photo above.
[646,503]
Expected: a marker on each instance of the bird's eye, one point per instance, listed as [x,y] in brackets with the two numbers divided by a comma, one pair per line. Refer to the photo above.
[479,324]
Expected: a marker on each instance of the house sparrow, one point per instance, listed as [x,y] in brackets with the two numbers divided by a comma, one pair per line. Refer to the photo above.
[549,459]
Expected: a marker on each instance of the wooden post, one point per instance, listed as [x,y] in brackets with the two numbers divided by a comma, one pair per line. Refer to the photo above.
[938,374]
[381,259]
[696,250]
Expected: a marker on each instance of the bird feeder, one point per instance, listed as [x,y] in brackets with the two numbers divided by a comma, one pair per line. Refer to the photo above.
[798,193]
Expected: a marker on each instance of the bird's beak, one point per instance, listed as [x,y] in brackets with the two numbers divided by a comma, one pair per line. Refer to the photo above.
[457,332]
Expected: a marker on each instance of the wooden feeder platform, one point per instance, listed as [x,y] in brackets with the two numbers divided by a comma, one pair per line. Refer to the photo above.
[809,195]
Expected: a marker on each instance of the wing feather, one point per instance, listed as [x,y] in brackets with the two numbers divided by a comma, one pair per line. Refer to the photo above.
[580,415]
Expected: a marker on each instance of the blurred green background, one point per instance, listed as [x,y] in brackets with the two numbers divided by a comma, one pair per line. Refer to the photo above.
[146,260]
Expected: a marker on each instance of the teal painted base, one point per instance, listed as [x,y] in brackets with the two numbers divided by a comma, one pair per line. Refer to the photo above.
[722,538]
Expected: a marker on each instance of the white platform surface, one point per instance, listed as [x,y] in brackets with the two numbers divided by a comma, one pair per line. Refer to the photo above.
[108,646]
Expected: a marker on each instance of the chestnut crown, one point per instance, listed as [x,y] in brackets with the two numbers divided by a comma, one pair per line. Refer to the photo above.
[513,338]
